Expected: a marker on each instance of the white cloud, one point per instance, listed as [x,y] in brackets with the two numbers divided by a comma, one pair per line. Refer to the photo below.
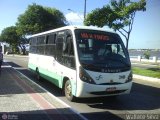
[74,18]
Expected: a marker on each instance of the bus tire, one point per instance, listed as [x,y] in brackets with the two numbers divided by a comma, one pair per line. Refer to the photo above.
[68,91]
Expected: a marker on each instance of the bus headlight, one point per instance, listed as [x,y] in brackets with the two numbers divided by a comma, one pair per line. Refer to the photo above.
[129,78]
[84,76]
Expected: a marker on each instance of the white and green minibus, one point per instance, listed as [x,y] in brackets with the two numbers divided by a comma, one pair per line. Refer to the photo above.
[83,61]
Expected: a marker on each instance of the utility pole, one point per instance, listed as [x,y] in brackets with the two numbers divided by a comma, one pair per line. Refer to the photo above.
[85,8]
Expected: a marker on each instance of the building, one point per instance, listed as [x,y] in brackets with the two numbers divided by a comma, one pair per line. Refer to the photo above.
[3,47]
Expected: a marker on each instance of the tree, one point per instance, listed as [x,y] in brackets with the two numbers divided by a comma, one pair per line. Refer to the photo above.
[10,36]
[60,19]
[38,18]
[147,54]
[119,16]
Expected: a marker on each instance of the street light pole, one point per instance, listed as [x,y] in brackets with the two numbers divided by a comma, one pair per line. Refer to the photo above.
[84,9]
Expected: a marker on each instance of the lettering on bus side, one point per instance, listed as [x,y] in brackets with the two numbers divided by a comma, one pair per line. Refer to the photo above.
[94,36]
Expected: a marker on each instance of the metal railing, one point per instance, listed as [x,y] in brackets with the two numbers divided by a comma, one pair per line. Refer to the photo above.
[153,59]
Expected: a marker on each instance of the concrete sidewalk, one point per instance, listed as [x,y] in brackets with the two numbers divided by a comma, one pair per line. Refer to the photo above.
[21,99]
[146,66]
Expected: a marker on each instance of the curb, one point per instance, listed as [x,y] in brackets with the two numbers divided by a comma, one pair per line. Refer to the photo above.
[155,65]
[51,95]
[12,55]
[150,79]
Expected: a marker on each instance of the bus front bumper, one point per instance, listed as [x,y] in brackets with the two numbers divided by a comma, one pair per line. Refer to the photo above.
[91,90]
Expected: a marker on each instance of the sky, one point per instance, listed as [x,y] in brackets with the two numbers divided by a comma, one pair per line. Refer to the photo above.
[146,27]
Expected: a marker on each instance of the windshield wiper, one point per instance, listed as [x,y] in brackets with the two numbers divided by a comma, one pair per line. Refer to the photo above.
[119,60]
[90,65]
[87,65]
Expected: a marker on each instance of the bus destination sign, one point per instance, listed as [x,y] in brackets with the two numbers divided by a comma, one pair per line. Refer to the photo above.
[94,36]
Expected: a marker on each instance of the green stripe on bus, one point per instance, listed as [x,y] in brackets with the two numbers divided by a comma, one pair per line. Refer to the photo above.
[50,76]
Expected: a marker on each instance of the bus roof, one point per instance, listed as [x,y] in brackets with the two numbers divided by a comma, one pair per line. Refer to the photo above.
[73,28]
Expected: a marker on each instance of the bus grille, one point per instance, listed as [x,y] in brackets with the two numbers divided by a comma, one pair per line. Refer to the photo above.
[114,83]
[107,93]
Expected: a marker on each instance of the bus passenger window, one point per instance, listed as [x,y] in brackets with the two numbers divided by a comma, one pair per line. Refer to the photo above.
[68,46]
[68,52]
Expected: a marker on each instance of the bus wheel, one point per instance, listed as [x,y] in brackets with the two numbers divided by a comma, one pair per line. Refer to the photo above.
[38,77]
[68,91]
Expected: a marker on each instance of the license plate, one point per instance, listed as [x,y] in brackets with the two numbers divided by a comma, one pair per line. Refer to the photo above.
[112,89]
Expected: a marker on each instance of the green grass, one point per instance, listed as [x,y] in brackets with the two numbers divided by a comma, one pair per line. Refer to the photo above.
[153,72]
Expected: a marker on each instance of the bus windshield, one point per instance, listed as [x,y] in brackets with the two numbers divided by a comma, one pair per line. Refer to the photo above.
[101,51]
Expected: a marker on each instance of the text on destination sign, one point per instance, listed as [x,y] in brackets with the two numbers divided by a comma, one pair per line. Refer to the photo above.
[94,36]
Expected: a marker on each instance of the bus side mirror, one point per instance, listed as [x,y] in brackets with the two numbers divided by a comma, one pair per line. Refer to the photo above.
[68,46]
[64,45]
[118,48]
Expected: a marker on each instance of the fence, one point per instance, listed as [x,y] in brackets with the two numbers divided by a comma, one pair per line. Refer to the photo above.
[153,59]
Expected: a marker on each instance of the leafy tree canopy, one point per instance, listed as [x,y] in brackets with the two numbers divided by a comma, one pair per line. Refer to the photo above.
[38,18]
[119,15]
[10,35]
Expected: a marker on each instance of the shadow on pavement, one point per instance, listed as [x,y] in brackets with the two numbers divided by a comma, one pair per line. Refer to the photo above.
[142,97]
[12,83]
[104,116]
[154,69]
[43,82]
[47,114]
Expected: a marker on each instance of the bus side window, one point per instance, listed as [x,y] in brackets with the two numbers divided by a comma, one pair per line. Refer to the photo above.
[51,39]
[50,44]
[33,45]
[68,46]
[40,45]
[68,52]
[59,47]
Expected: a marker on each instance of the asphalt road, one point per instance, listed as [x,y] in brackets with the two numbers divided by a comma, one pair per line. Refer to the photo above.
[144,98]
